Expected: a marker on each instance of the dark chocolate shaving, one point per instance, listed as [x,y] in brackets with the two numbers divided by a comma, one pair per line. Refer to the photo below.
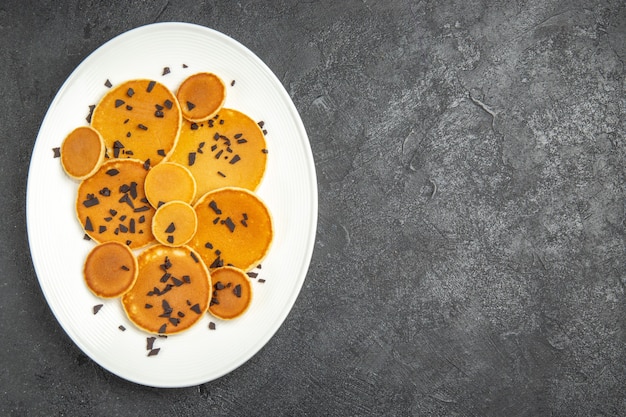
[91,201]
[151,85]
[213,206]
[91,107]
[229,223]
[97,308]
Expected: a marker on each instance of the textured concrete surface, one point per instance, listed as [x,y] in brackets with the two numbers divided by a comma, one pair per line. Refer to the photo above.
[470,255]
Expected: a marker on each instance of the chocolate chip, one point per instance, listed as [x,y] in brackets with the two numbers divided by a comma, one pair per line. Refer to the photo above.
[213,206]
[150,342]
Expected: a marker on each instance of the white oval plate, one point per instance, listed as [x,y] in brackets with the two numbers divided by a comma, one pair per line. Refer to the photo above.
[289,189]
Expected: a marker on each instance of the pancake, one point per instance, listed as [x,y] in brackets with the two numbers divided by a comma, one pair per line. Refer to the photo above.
[201,96]
[169,181]
[138,119]
[172,290]
[111,204]
[227,151]
[232,293]
[235,228]
[110,269]
[82,152]
[174,223]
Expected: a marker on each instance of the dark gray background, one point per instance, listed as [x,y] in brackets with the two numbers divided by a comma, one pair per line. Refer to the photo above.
[469,258]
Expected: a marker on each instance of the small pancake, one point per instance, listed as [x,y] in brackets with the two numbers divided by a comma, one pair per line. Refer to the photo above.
[174,223]
[232,293]
[82,152]
[110,269]
[169,181]
[201,96]
[172,290]
[111,204]
[235,228]
[227,151]
[138,119]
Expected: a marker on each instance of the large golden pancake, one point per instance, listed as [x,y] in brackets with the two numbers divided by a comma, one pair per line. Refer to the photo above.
[232,293]
[234,228]
[172,290]
[82,152]
[111,204]
[110,269]
[138,119]
[201,96]
[227,151]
